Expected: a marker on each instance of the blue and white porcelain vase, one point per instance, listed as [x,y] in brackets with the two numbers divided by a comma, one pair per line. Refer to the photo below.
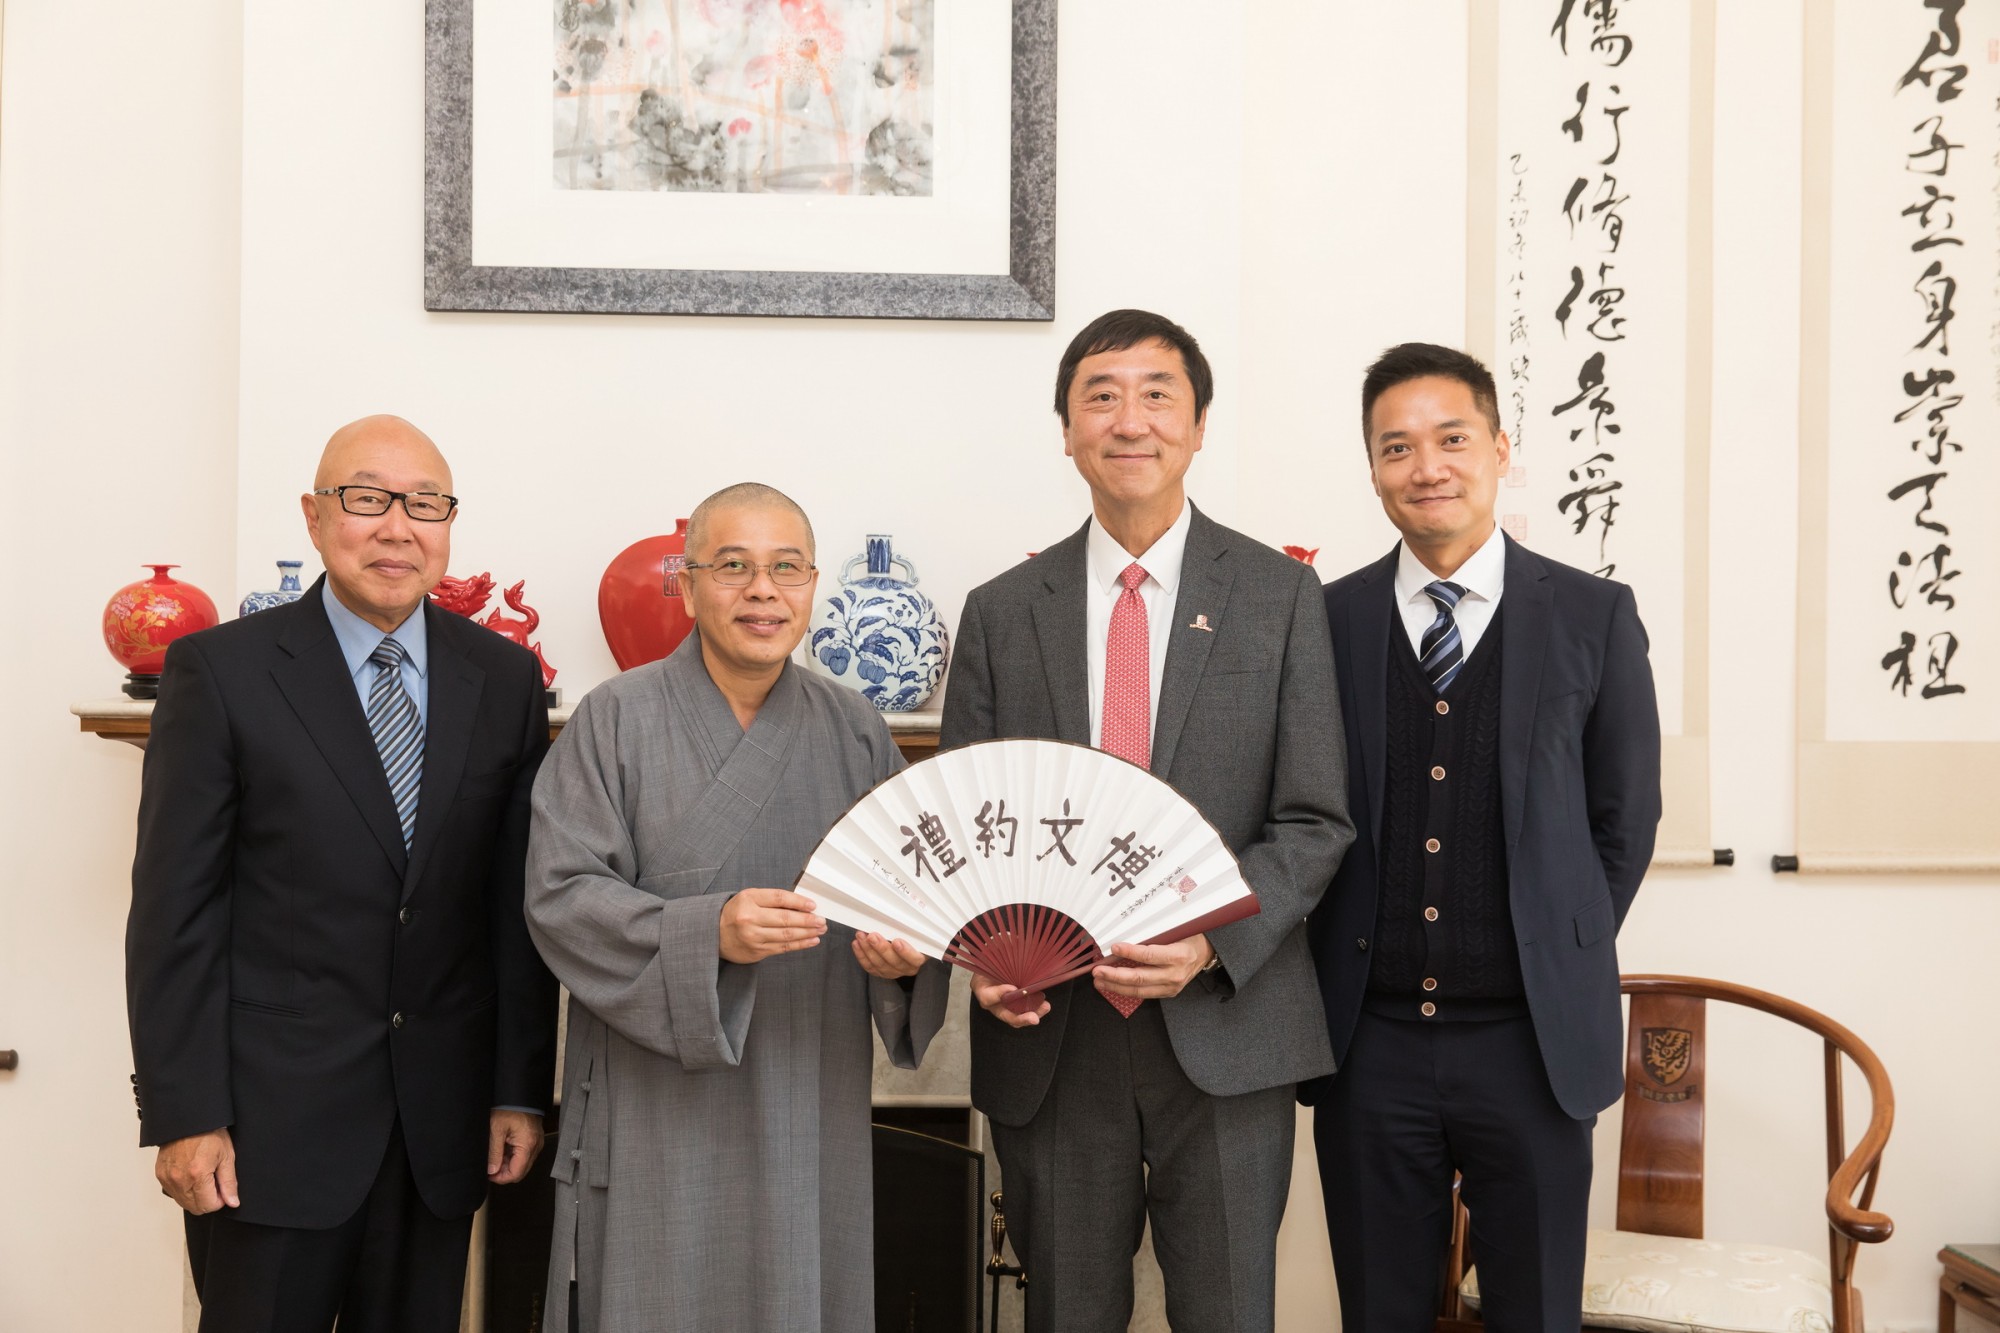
[879,635]
[288,590]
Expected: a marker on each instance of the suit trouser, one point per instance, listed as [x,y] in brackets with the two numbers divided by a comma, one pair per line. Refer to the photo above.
[1122,1135]
[393,1267]
[1414,1102]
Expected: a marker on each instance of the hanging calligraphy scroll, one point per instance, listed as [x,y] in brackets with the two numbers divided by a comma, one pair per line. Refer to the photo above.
[1588,294]
[1899,652]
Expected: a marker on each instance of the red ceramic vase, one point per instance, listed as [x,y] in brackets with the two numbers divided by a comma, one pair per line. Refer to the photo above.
[639,599]
[142,618]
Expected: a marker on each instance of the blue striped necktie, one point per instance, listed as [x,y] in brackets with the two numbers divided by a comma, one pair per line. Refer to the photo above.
[398,732]
[1443,652]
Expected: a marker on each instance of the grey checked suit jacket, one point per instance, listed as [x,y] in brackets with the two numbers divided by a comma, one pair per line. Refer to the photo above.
[1248,728]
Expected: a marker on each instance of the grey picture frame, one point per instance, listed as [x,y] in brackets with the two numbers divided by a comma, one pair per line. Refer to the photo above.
[452,282]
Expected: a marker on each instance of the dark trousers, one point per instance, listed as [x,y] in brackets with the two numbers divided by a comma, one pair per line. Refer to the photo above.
[1123,1135]
[1416,1101]
[391,1268]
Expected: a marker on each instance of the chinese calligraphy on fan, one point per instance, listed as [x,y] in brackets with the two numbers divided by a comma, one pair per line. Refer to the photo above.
[932,854]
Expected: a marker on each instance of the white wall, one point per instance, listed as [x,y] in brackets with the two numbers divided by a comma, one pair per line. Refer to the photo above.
[1193,180]
[118,279]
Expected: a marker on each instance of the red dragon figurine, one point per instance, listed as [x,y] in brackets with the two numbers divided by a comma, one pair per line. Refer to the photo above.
[467,597]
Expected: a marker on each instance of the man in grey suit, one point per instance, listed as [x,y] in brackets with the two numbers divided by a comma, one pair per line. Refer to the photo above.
[1202,655]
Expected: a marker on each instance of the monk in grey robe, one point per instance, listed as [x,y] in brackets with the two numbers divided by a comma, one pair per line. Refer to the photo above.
[714,1166]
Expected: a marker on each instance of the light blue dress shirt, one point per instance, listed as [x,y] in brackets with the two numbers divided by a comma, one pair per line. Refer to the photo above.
[358,639]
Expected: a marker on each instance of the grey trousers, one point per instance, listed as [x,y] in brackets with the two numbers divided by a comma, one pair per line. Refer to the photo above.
[1123,1135]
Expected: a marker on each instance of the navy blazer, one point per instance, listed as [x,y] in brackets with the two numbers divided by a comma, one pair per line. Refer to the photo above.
[292,971]
[1579,798]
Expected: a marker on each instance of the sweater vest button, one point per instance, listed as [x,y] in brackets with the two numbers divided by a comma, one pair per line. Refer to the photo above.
[1432,844]
[1430,983]
[1437,773]
[1430,914]
[1428,1010]
[1443,707]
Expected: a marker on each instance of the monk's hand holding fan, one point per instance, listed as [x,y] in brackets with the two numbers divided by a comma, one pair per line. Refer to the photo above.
[762,923]
[1029,863]
[880,956]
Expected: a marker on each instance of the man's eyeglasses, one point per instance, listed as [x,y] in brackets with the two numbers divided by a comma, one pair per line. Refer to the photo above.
[742,573]
[373,502]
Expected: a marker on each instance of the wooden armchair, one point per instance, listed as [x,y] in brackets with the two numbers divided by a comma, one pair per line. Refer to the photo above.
[1660,1152]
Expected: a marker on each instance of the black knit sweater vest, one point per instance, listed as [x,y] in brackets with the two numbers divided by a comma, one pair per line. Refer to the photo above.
[1443,932]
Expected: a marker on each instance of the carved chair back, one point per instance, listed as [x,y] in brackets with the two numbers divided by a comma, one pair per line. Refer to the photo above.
[1660,1153]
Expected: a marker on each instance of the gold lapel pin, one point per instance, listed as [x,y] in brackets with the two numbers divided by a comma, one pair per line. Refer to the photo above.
[1201,623]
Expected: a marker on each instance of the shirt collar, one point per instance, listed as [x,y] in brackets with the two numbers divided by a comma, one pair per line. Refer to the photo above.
[1107,559]
[358,638]
[1481,575]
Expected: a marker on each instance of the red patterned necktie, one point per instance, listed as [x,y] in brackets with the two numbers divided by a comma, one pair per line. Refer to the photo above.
[1128,695]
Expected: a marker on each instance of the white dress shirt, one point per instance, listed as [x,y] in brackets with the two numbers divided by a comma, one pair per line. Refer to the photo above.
[1106,561]
[1482,576]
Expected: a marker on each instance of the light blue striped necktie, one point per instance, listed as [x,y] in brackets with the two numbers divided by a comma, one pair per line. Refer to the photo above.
[398,732]
[1443,652]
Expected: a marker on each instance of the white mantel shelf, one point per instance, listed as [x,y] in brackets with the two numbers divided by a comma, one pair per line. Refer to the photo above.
[131,721]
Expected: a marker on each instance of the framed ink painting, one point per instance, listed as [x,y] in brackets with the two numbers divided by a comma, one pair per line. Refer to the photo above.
[861,158]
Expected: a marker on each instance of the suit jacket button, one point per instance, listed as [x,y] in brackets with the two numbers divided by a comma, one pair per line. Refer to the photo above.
[1429,1010]
[1361,945]
[403,917]
[396,1020]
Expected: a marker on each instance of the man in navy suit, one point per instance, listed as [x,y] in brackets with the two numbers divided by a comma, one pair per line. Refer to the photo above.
[342,1031]
[1504,768]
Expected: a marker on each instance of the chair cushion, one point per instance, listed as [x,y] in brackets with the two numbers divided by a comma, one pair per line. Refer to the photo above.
[1674,1285]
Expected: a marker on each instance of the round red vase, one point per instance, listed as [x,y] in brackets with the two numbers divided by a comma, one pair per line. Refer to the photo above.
[142,618]
[639,599]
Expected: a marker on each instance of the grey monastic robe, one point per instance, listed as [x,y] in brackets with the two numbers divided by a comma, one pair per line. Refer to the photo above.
[714,1166]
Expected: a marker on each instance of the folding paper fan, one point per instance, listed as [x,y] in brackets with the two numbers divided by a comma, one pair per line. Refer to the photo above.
[1025,861]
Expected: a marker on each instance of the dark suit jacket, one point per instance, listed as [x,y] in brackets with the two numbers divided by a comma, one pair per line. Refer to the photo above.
[1579,801]
[278,927]
[1248,728]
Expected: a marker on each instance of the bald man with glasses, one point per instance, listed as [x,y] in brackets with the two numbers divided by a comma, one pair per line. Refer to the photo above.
[715,1164]
[342,1032]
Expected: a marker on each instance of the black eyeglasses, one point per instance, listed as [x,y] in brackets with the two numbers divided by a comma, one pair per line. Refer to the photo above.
[742,573]
[373,502]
